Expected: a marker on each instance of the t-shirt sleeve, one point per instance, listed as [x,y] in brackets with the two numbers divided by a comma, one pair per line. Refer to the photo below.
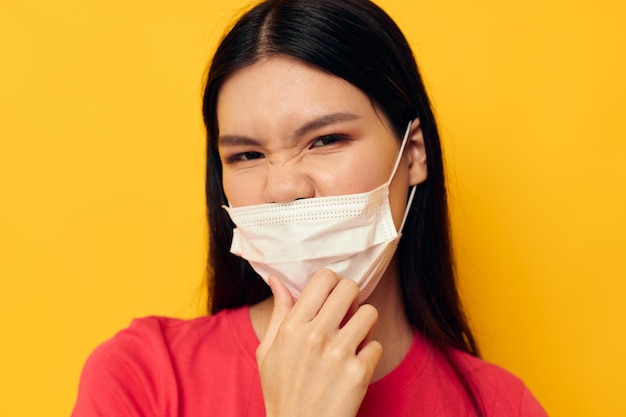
[504,394]
[529,406]
[130,375]
[500,392]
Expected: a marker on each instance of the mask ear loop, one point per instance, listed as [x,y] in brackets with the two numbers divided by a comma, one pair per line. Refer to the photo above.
[413,188]
[400,152]
[408,206]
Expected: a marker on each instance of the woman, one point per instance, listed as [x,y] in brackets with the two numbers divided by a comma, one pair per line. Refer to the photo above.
[322,151]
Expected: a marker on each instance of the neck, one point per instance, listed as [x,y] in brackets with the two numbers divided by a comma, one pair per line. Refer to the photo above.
[392,330]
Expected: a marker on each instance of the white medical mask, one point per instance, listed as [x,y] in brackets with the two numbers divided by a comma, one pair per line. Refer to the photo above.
[353,235]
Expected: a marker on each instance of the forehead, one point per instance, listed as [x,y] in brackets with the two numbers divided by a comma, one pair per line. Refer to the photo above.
[281,91]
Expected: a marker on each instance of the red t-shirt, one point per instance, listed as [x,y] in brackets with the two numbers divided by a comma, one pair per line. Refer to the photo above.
[206,367]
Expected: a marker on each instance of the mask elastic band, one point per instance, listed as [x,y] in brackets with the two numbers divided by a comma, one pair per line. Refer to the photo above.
[413,188]
[402,145]
[408,206]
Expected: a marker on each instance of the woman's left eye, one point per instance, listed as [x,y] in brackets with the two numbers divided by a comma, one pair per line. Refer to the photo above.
[328,140]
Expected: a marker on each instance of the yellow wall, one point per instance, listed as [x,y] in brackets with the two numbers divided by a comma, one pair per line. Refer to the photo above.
[101,182]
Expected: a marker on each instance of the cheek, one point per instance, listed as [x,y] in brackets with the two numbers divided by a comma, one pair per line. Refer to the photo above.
[361,172]
[227,192]
[235,191]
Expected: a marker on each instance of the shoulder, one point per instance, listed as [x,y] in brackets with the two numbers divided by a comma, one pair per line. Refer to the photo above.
[426,383]
[151,339]
[139,368]
[500,392]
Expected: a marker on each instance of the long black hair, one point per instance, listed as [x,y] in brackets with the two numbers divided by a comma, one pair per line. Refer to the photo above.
[358,42]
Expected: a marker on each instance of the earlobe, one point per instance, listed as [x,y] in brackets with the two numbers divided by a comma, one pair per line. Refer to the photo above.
[416,152]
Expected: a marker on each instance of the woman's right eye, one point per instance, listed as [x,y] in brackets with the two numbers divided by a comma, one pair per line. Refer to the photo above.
[244,156]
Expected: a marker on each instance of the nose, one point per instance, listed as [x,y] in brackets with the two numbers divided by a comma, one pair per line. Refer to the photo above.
[286,183]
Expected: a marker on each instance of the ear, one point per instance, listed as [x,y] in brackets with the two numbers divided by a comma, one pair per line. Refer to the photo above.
[416,152]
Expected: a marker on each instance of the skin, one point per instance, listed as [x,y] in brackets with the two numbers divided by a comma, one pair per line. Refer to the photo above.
[290,131]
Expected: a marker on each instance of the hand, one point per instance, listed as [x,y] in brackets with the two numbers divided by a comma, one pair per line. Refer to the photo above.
[315,358]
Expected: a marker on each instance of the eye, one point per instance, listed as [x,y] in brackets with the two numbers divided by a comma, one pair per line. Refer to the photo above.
[328,140]
[244,156]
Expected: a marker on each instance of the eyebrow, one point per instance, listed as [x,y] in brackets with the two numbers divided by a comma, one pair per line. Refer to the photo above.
[325,120]
[318,123]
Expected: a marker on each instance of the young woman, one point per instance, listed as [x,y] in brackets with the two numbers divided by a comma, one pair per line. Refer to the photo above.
[325,180]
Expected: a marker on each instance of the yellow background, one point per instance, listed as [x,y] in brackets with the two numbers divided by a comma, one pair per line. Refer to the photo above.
[101,175]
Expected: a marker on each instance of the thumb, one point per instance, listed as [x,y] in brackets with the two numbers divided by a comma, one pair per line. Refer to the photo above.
[283,302]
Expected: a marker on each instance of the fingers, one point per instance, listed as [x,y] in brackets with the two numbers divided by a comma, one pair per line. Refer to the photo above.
[370,355]
[283,303]
[342,302]
[329,300]
[360,325]
[353,308]
[369,351]
[315,294]
[316,354]
[329,304]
